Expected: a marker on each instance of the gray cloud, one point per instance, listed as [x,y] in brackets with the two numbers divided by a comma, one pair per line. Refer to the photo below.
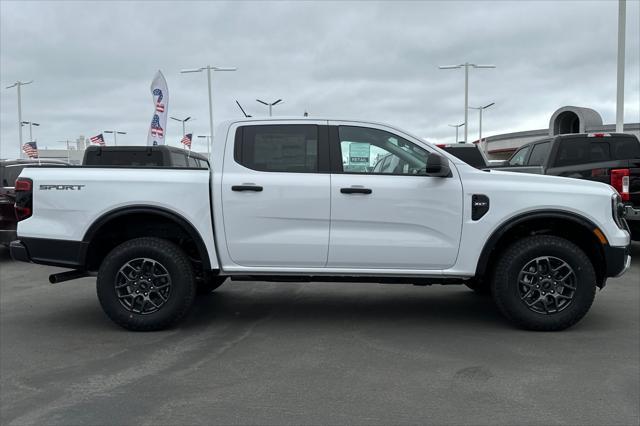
[92,62]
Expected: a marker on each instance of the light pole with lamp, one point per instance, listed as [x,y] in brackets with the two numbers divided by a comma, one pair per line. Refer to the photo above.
[270,105]
[184,132]
[19,84]
[480,109]
[457,126]
[209,68]
[115,135]
[31,124]
[466,66]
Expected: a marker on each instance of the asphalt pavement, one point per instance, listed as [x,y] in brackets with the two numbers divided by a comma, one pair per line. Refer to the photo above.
[320,353]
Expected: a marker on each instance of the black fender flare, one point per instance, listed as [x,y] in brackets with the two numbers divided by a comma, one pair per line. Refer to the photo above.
[510,223]
[157,211]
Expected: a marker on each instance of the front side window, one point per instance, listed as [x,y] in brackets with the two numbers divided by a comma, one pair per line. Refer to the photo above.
[373,151]
[519,157]
[279,148]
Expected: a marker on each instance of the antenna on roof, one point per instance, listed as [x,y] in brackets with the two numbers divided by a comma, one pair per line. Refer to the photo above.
[242,109]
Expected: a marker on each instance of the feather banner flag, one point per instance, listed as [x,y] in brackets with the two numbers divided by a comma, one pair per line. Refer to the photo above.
[160,95]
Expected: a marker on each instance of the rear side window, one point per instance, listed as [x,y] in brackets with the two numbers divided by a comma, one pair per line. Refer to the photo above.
[278,148]
[582,151]
[178,159]
[539,153]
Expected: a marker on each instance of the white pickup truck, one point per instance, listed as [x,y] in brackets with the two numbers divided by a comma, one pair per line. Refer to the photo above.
[300,200]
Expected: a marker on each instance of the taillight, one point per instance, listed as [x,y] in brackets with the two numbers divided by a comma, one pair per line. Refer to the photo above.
[24,198]
[620,181]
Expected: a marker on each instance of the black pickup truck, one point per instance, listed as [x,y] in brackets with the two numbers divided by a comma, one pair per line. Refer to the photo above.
[612,158]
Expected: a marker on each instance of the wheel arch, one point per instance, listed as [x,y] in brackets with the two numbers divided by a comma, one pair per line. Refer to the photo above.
[554,222]
[154,213]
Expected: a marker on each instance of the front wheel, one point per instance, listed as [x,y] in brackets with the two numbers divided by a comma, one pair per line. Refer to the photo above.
[544,283]
[146,284]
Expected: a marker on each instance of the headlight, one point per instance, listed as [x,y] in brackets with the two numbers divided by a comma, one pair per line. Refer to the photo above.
[617,211]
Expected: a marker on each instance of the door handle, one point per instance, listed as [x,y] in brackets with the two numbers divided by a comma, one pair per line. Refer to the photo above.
[355,190]
[254,188]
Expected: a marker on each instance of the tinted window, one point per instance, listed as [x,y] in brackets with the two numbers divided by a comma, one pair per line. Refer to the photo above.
[279,148]
[626,148]
[366,150]
[539,153]
[178,159]
[582,151]
[469,154]
[10,174]
[520,156]
[124,158]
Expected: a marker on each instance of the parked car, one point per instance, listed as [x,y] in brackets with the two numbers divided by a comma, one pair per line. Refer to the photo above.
[277,205]
[467,152]
[143,156]
[612,158]
[9,172]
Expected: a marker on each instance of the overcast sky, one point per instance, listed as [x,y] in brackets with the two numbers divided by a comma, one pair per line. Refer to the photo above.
[92,63]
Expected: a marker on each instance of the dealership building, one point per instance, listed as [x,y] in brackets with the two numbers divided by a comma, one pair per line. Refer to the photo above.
[568,119]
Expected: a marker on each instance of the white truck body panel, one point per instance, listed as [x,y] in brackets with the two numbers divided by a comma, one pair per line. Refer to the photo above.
[68,215]
[301,224]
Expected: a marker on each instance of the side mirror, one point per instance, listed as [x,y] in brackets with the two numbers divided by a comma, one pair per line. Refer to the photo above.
[437,166]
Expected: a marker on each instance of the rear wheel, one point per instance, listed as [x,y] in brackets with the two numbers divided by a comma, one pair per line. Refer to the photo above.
[544,283]
[146,284]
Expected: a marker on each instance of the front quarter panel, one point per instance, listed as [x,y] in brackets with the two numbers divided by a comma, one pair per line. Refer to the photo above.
[516,194]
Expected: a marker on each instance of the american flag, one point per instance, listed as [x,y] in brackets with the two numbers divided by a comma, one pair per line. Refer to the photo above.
[99,139]
[159,107]
[156,130]
[186,140]
[31,149]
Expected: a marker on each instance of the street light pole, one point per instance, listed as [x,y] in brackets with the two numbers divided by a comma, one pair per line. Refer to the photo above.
[270,105]
[457,126]
[115,135]
[622,11]
[480,109]
[19,84]
[184,132]
[203,137]
[31,124]
[209,68]
[466,66]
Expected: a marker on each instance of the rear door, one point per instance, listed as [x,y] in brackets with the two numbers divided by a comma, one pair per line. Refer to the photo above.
[390,215]
[275,195]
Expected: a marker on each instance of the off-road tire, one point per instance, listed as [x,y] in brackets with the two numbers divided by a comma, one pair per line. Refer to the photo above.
[505,286]
[176,263]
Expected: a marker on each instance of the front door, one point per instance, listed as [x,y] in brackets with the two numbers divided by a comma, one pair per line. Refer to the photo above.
[386,213]
[275,195]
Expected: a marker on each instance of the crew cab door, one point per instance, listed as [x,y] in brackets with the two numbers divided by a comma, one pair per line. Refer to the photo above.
[386,213]
[275,195]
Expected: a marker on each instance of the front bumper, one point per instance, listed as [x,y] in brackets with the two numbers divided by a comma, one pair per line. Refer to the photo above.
[617,259]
